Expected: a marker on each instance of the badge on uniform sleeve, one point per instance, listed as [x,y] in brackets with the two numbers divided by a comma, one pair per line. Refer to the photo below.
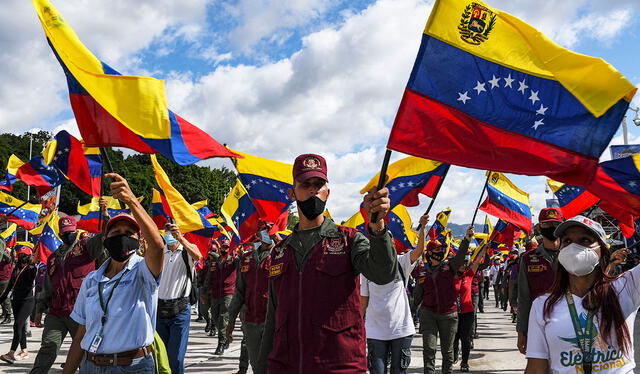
[244,269]
[275,270]
[334,246]
[535,268]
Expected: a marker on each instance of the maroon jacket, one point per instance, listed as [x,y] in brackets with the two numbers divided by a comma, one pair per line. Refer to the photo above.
[222,277]
[439,293]
[539,272]
[256,292]
[66,279]
[318,326]
[6,268]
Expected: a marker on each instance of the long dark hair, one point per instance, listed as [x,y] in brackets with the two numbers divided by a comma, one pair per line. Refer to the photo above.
[600,295]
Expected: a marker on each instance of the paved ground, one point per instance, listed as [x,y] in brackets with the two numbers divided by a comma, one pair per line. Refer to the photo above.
[494,351]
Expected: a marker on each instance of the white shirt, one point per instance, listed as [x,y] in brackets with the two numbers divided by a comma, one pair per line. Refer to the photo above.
[174,275]
[493,273]
[551,340]
[388,314]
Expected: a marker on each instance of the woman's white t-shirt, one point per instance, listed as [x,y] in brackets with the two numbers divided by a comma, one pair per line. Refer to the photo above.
[554,339]
[388,314]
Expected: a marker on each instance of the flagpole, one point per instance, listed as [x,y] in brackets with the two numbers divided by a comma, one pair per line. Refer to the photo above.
[433,199]
[26,232]
[486,182]
[106,160]
[382,179]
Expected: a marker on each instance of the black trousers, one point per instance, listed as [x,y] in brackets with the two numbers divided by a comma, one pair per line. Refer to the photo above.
[21,311]
[464,334]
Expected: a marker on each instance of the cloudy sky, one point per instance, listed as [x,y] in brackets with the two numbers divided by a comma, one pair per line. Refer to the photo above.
[279,78]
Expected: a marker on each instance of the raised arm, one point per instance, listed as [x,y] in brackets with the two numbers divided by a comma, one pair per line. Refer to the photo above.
[154,253]
[417,252]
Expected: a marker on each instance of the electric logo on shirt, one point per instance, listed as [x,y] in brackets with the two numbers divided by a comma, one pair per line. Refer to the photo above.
[605,357]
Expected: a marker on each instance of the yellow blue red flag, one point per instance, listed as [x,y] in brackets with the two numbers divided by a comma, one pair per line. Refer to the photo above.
[240,213]
[506,201]
[24,215]
[116,110]
[9,235]
[266,182]
[489,91]
[10,174]
[410,177]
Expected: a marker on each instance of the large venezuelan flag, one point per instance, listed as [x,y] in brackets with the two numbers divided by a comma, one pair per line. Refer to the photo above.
[506,201]
[240,213]
[121,111]
[48,241]
[410,177]
[24,216]
[573,200]
[490,92]
[83,166]
[10,174]
[266,182]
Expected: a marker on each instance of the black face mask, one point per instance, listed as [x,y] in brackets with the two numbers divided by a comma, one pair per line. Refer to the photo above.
[68,237]
[438,256]
[312,207]
[121,247]
[23,259]
[547,233]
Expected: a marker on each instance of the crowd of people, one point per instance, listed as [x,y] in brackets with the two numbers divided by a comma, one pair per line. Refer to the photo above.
[324,299]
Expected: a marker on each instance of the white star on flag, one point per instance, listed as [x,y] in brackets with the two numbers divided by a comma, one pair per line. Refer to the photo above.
[537,124]
[508,80]
[495,82]
[464,97]
[542,110]
[534,97]
[479,87]
[522,87]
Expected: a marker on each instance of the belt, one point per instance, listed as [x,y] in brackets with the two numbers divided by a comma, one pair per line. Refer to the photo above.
[118,359]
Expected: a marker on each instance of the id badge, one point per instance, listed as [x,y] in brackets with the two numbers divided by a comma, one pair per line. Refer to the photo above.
[95,343]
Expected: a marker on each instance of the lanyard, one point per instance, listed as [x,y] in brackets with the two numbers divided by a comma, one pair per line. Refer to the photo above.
[584,337]
[102,303]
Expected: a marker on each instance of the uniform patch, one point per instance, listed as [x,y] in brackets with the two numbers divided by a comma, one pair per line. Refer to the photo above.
[535,268]
[279,253]
[244,268]
[334,246]
[275,270]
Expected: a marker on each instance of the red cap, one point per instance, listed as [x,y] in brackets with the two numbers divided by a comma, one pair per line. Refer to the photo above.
[67,224]
[24,249]
[551,215]
[308,166]
[122,217]
[433,244]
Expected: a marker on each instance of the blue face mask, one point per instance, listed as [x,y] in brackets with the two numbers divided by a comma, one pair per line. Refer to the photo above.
[256,245]
[169,239]
[264,237]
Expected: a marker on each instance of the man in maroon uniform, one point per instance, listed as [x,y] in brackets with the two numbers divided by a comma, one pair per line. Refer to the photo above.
[537,271]
[222,280]
[313,322]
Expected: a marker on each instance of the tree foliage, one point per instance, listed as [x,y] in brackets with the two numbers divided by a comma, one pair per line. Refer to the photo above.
[194,182]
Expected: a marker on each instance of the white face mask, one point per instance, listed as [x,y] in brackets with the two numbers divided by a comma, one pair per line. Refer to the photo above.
[579,260]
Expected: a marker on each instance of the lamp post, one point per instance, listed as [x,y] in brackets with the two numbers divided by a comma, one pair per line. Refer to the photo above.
[636,121]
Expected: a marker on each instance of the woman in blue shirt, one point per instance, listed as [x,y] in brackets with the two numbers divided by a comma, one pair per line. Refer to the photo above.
[116,306]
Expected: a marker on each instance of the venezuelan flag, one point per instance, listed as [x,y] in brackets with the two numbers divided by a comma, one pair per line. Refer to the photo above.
[503,233]
[83,166]
[239,212]
[439,226]
[90,213]
[505,200]
[48,241]
[410,177]
[573,199]
[10,175]
[399,224]
[186,216]
[40,175]
[121,111]
[24,216]
[619,181]
[357,222]
[10,236]
[488,91]
[267,182]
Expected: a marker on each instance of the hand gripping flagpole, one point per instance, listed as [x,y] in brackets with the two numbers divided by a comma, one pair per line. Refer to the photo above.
[433,199]
[486,182]
[382,179]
